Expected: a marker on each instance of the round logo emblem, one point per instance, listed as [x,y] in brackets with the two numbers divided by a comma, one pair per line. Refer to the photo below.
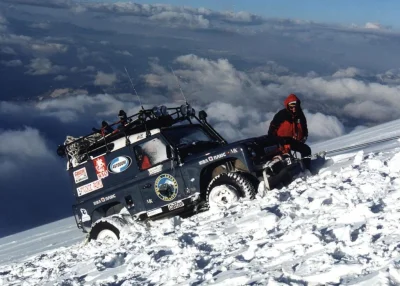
[119,164]
[166,187]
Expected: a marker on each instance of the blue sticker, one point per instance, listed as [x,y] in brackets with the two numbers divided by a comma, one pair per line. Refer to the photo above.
[119,164]
[166,187]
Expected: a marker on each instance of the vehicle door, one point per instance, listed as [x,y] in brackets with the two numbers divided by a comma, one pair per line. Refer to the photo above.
[159,181]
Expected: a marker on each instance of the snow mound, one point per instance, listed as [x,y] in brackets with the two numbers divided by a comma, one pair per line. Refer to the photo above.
[337,227]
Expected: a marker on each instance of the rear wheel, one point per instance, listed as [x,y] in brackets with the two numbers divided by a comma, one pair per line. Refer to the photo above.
[226,189]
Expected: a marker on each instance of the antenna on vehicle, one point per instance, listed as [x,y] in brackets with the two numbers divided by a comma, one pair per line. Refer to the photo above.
[133,86]
[180,88]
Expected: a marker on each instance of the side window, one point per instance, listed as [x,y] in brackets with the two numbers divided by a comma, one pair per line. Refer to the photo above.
[150,153]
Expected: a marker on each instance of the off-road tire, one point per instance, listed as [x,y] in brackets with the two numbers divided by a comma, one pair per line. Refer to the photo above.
[114,223]
[237,180]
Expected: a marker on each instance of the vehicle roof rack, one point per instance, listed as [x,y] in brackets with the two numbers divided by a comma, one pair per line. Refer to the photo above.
[143,121]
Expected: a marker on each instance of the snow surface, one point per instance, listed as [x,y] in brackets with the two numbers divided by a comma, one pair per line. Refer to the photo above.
[340,226]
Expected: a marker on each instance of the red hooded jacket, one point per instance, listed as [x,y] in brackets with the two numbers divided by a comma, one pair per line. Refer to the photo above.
[288,124]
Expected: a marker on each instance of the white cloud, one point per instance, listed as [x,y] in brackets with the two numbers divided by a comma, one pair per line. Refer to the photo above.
[105,78]
[86,54]
[49,48]
[262,90]
[15,39]
[3,23]
[80,103]
[176,15]
[189,20]
[348,72]
[238,82]
[78,9]
[323,126]
[43,66]
[40,25]
[69,106]
[67,91]
[74,107]
[7,50]
[239,122]
[60,91]
[60,77]
[33,46]
[226,112]
[86,69]
[12,63]
[371,110]
[3,20]
[391,77]
[240,17]
[370,25]
[24,144]
[20,148]
[125,53]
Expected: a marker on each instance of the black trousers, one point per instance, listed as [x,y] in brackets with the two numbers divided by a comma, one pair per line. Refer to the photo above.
[300,147]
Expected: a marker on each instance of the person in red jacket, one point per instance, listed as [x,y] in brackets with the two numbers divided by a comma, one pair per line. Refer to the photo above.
[290,126]
[142,159]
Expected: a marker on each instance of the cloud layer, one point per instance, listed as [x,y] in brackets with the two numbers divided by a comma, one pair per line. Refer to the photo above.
[25,156]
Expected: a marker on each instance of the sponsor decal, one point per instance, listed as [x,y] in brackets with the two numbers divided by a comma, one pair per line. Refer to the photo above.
[85,216]
[166,187]
[154,212]
[100,166]
[80,175]
[88,188]
[212,158]
[175,205]
[149,201]
[155,170]
[104,199]
[119,164]
[140,136]
[234,150]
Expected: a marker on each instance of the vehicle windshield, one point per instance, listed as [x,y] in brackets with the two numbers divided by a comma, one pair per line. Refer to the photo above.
[187,136]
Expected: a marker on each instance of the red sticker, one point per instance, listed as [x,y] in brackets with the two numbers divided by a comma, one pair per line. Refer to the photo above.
[101,167]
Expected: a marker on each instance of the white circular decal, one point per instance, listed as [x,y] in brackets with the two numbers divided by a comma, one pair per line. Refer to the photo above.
[119,164]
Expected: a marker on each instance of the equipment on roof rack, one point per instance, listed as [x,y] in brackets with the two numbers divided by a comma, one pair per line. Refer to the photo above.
[158,117]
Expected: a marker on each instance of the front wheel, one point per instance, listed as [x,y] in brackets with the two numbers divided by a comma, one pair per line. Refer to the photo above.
[226,189]
[107,228]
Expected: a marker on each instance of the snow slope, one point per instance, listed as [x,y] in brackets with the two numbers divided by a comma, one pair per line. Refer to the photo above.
[337,227]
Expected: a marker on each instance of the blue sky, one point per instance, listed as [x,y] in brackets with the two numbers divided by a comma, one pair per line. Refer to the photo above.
[331,11]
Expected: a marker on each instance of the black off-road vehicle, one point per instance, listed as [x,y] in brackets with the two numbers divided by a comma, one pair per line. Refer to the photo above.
[163,162]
